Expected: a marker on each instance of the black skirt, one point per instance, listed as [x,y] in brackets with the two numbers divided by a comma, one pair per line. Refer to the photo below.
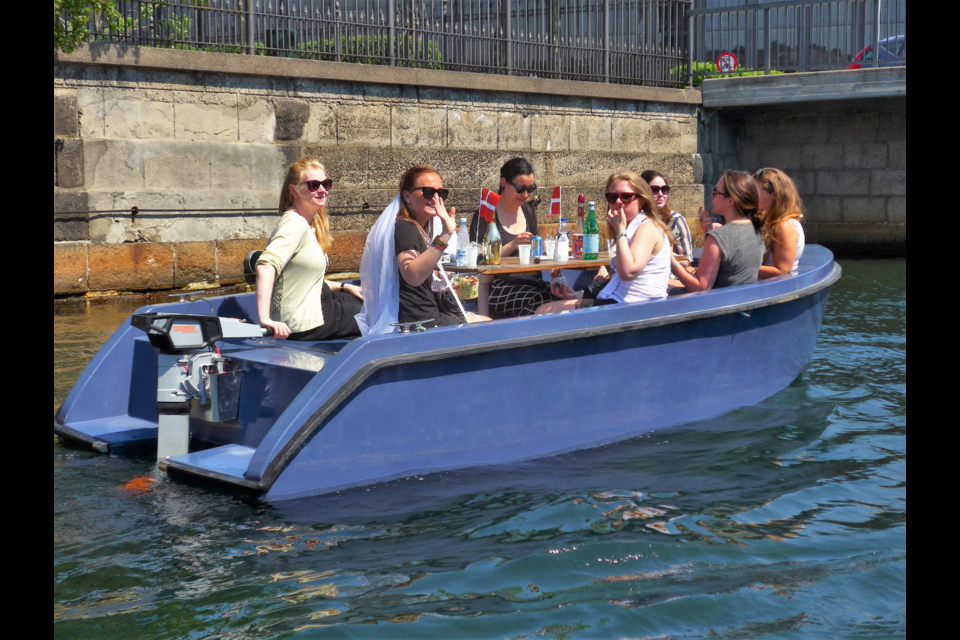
[339,317]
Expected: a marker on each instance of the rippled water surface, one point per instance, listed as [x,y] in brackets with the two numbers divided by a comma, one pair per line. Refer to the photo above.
[784,520]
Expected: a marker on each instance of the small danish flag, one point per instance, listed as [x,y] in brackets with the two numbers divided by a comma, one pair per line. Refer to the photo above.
[555,203]
[488,204]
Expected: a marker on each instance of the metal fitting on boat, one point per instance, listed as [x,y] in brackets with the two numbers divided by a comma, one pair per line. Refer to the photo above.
[101,446]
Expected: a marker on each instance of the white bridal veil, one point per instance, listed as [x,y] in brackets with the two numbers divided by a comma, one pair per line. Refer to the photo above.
[379,275]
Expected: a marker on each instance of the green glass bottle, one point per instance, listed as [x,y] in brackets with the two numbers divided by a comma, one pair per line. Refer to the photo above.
[492,245]
[591,235]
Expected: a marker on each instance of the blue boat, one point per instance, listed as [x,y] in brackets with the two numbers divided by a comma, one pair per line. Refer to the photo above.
[284,420]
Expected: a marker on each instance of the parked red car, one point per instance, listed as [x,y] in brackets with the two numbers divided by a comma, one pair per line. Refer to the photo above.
[893,53]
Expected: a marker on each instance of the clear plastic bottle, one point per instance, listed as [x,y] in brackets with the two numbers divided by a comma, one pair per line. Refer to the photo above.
[563,241]
[463,241]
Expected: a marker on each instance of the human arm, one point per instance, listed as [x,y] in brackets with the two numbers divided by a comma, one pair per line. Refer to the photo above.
[706,275]
[784,252]
[511,247]
[266,275]
[416,267]
[632,257]
[352,289]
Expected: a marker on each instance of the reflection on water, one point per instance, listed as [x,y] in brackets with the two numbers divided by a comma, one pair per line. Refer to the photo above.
[786,519]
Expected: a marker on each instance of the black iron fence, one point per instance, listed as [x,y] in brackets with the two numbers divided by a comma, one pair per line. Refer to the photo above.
[800,35]
[622,41]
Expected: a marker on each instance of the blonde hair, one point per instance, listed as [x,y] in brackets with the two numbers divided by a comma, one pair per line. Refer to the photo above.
[648,207]
[786,202]
[407,181]
[320,223]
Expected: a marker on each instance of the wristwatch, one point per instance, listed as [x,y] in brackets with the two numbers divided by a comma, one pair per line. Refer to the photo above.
[439,244]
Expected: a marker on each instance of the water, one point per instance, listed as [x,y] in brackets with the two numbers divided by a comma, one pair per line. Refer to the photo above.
[783,520]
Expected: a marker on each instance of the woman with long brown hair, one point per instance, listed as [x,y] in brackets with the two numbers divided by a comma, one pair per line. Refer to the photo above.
[782,232]
[733,253]
[642,264]
[293,298]
[679,228]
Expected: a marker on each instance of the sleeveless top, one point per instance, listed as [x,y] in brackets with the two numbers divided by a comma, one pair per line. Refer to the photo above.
[743,250]
[801,244]
[651,284]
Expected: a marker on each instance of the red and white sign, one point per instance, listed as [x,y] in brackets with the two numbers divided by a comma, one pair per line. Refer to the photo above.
[555,203]
[488,204]
[727,62]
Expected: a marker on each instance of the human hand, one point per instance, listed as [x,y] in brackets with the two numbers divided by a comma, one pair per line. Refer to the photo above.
[448,218]
[354,290]
[280,330]
[618,218]
[706,220]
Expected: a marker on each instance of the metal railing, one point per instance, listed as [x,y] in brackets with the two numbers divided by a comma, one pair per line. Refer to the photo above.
[800,35]
[640,42]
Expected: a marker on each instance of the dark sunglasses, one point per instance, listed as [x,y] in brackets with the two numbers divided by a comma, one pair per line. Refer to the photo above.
[625,198]
[522,190]
[720,193]
[314,185]
[665,189]
[429,192]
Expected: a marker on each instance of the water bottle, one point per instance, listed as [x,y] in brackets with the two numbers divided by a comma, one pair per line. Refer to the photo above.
[591,236]
[563,241]
[463,241]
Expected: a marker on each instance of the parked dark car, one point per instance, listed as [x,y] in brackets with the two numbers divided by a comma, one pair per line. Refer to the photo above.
[893,53]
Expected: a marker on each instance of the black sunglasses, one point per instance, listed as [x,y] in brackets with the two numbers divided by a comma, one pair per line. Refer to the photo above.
[522,190]
[429,192]
[625,198]
[314,185]
[665,189]
[720,193]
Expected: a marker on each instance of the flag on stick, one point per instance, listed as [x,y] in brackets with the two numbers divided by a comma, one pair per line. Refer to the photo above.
[555,203]
[488,204]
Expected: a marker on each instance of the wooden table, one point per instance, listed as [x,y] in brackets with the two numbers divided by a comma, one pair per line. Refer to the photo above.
[511,267]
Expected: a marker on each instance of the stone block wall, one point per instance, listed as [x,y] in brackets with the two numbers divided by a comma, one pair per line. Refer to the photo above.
[848,159]
[202,153]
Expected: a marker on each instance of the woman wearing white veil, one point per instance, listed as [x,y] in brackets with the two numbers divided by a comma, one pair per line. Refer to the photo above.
[399,258]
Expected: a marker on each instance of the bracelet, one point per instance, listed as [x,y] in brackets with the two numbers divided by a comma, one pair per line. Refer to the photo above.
[439,244]
[618,236]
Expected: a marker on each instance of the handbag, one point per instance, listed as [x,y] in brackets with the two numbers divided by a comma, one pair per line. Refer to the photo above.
[446,303]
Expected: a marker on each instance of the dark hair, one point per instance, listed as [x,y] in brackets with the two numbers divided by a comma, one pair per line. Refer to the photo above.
[513,168]
[407,181]
[743,189]
[649,176]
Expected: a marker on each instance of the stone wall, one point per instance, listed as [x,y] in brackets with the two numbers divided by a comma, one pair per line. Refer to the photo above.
[199,143]
[848,159]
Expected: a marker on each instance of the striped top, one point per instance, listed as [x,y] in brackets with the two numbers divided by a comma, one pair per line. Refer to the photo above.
[680,231]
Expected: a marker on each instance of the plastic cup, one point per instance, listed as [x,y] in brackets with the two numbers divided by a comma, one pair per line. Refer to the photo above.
[612,248]
[472,257]
[525,254]
[551,248]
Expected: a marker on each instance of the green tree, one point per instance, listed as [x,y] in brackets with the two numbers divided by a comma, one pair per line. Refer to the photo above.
[72,17]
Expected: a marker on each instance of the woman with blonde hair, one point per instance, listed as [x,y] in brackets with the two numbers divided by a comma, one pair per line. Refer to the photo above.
[293,298]
[732,253]
[642,264]
[782,232]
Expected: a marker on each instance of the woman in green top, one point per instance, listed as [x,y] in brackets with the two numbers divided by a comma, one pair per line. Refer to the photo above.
[292,297]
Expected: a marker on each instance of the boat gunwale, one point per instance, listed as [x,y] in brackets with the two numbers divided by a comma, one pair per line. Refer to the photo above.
[275,467]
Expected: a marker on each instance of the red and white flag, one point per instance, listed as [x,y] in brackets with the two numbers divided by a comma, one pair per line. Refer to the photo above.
[488,204]
[555,203]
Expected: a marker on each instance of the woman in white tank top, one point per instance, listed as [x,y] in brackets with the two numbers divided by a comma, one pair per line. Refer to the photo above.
[782,231]
[643,249]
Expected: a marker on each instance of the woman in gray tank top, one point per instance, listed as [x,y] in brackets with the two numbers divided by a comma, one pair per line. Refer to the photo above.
[733,253]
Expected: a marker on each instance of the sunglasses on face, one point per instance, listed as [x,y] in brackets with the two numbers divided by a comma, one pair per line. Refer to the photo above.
[314,185]
[720,193]
[522,190]
[429,192]
[625,198]
[665,190]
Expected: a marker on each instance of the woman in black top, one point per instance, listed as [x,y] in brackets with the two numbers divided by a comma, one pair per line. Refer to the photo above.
[517,223]
[421,200]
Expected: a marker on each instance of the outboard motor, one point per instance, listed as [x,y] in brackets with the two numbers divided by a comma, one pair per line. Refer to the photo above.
[191,374]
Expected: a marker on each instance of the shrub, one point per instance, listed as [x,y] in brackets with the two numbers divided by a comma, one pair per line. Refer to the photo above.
[374,50]
[705,70]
